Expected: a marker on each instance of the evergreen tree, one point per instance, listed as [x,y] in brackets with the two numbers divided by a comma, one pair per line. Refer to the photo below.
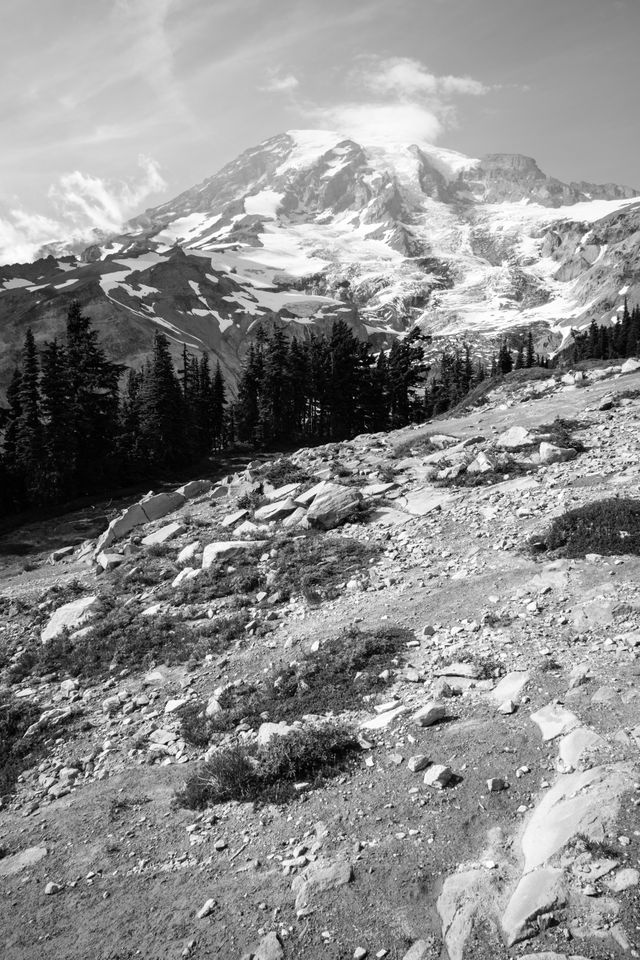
[55,415]
[162,410]
[218,402]
[29,448]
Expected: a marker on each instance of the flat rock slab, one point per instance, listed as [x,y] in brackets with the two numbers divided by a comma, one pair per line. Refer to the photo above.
[554,721]
[515,438]
[585,802]
[575,744]
[160,504]
[275,511]
[511,686]
[550,955]
[384,719]
[469,670]
[269,948]
[316,879]
[388,517]
[195,488]
[283,493]
[467,897]
[69,616]
[624,880]
[168,532]
[538,892]
[20,861]
[425,501]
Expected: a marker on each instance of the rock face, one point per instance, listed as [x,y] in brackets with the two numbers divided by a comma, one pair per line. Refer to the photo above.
[332,506]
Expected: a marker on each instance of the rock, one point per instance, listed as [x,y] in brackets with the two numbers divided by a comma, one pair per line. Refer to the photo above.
[624,880]
[333,506]
[165,533]
[466,899]
[420,950]
[438,776]
[515,438]
[317,878]
[304,499]
[20,861]
[425,501]
[188,553]
[469,670]
[575,744]
[206,909]
[60,554]
[269,948]
[233,519]
[283,493]
[52,888]
[225,550]
[247,529]
[267,731]
[69,616]
[360,953]
[496,784]
[549,453]
[538,892]
[554,720]
[507,707]
[418,762]
[294,519]
[68,688]
[585,802]
[133,516]
[195,488]
[429,714]
[630,366]
[384,719]
[213,707]
[173,705]
[188,573]
[481,464]
[160,504]
[108,560]
[510,686]
[275,511]
[111,705]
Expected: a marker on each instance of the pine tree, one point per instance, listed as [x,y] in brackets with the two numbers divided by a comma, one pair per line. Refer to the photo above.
[29,448]
[162,410]
[529,360]
[218,401]
[55,415]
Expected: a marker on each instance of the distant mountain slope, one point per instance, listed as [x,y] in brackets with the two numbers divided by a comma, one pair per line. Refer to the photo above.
[308,227]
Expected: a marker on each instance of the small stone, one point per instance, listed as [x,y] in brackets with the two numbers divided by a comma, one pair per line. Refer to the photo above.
[418,762]
[52,888]
[360,953]
[438,776]
[206,909]
[496,784]
[429,714]
[507,707]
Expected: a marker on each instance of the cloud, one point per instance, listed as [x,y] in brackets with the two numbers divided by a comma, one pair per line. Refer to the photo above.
[280,83]
[399,100]
[84,204]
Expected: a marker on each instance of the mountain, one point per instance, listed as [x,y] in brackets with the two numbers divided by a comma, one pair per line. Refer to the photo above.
[308,227]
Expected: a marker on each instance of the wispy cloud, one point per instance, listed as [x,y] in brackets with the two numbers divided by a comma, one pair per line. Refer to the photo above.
[280,83]
[84,204]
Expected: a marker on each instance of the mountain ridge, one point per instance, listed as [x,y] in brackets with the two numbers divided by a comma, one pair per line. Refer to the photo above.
[311,226]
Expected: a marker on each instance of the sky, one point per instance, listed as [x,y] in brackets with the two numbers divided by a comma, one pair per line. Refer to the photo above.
[108,108]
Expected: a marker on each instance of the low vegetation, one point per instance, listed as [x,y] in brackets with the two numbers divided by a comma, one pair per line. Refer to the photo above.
[16,752]
[345,669]
[272,773]
[122,639]
[316,566]
[607,527]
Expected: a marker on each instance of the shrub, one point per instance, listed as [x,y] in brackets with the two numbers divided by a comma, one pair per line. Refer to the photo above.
[16,753]
[219,581]
[560,433]
[279,473]
[508,467]
[608,527]
[270,773]
[342,671]
[316,565]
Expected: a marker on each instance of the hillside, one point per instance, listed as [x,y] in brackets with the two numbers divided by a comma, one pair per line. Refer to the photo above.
[397,607]
[308,227]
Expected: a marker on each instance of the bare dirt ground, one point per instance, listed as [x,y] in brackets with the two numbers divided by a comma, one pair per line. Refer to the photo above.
[133,868]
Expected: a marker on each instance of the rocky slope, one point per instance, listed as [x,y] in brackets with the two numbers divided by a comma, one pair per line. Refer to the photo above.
[308,227]
[491,811]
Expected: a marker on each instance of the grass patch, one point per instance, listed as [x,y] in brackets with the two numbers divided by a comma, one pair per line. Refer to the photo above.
[16,753]
[342,671]
[560,433]
[318,565]
[236,577]
[608,527]
[269,774]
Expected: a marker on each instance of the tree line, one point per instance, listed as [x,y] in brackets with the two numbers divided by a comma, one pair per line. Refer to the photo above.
[617,341]
[77,423]
[70,430]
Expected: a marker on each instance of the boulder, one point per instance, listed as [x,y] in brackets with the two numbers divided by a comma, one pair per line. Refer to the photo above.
[481,464]
[295,518]
[195,488]
[160,504]
[275,511]
[108,560]
[267,731]
[429,714]
[282,493]
[168,532]
[515,438]
[304,499]
[269,948]
[538,892]
[233,519]
[630,366]
[333,506]
[225,550]
[69,616]
[133,516]
[438,775]
[550,453]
